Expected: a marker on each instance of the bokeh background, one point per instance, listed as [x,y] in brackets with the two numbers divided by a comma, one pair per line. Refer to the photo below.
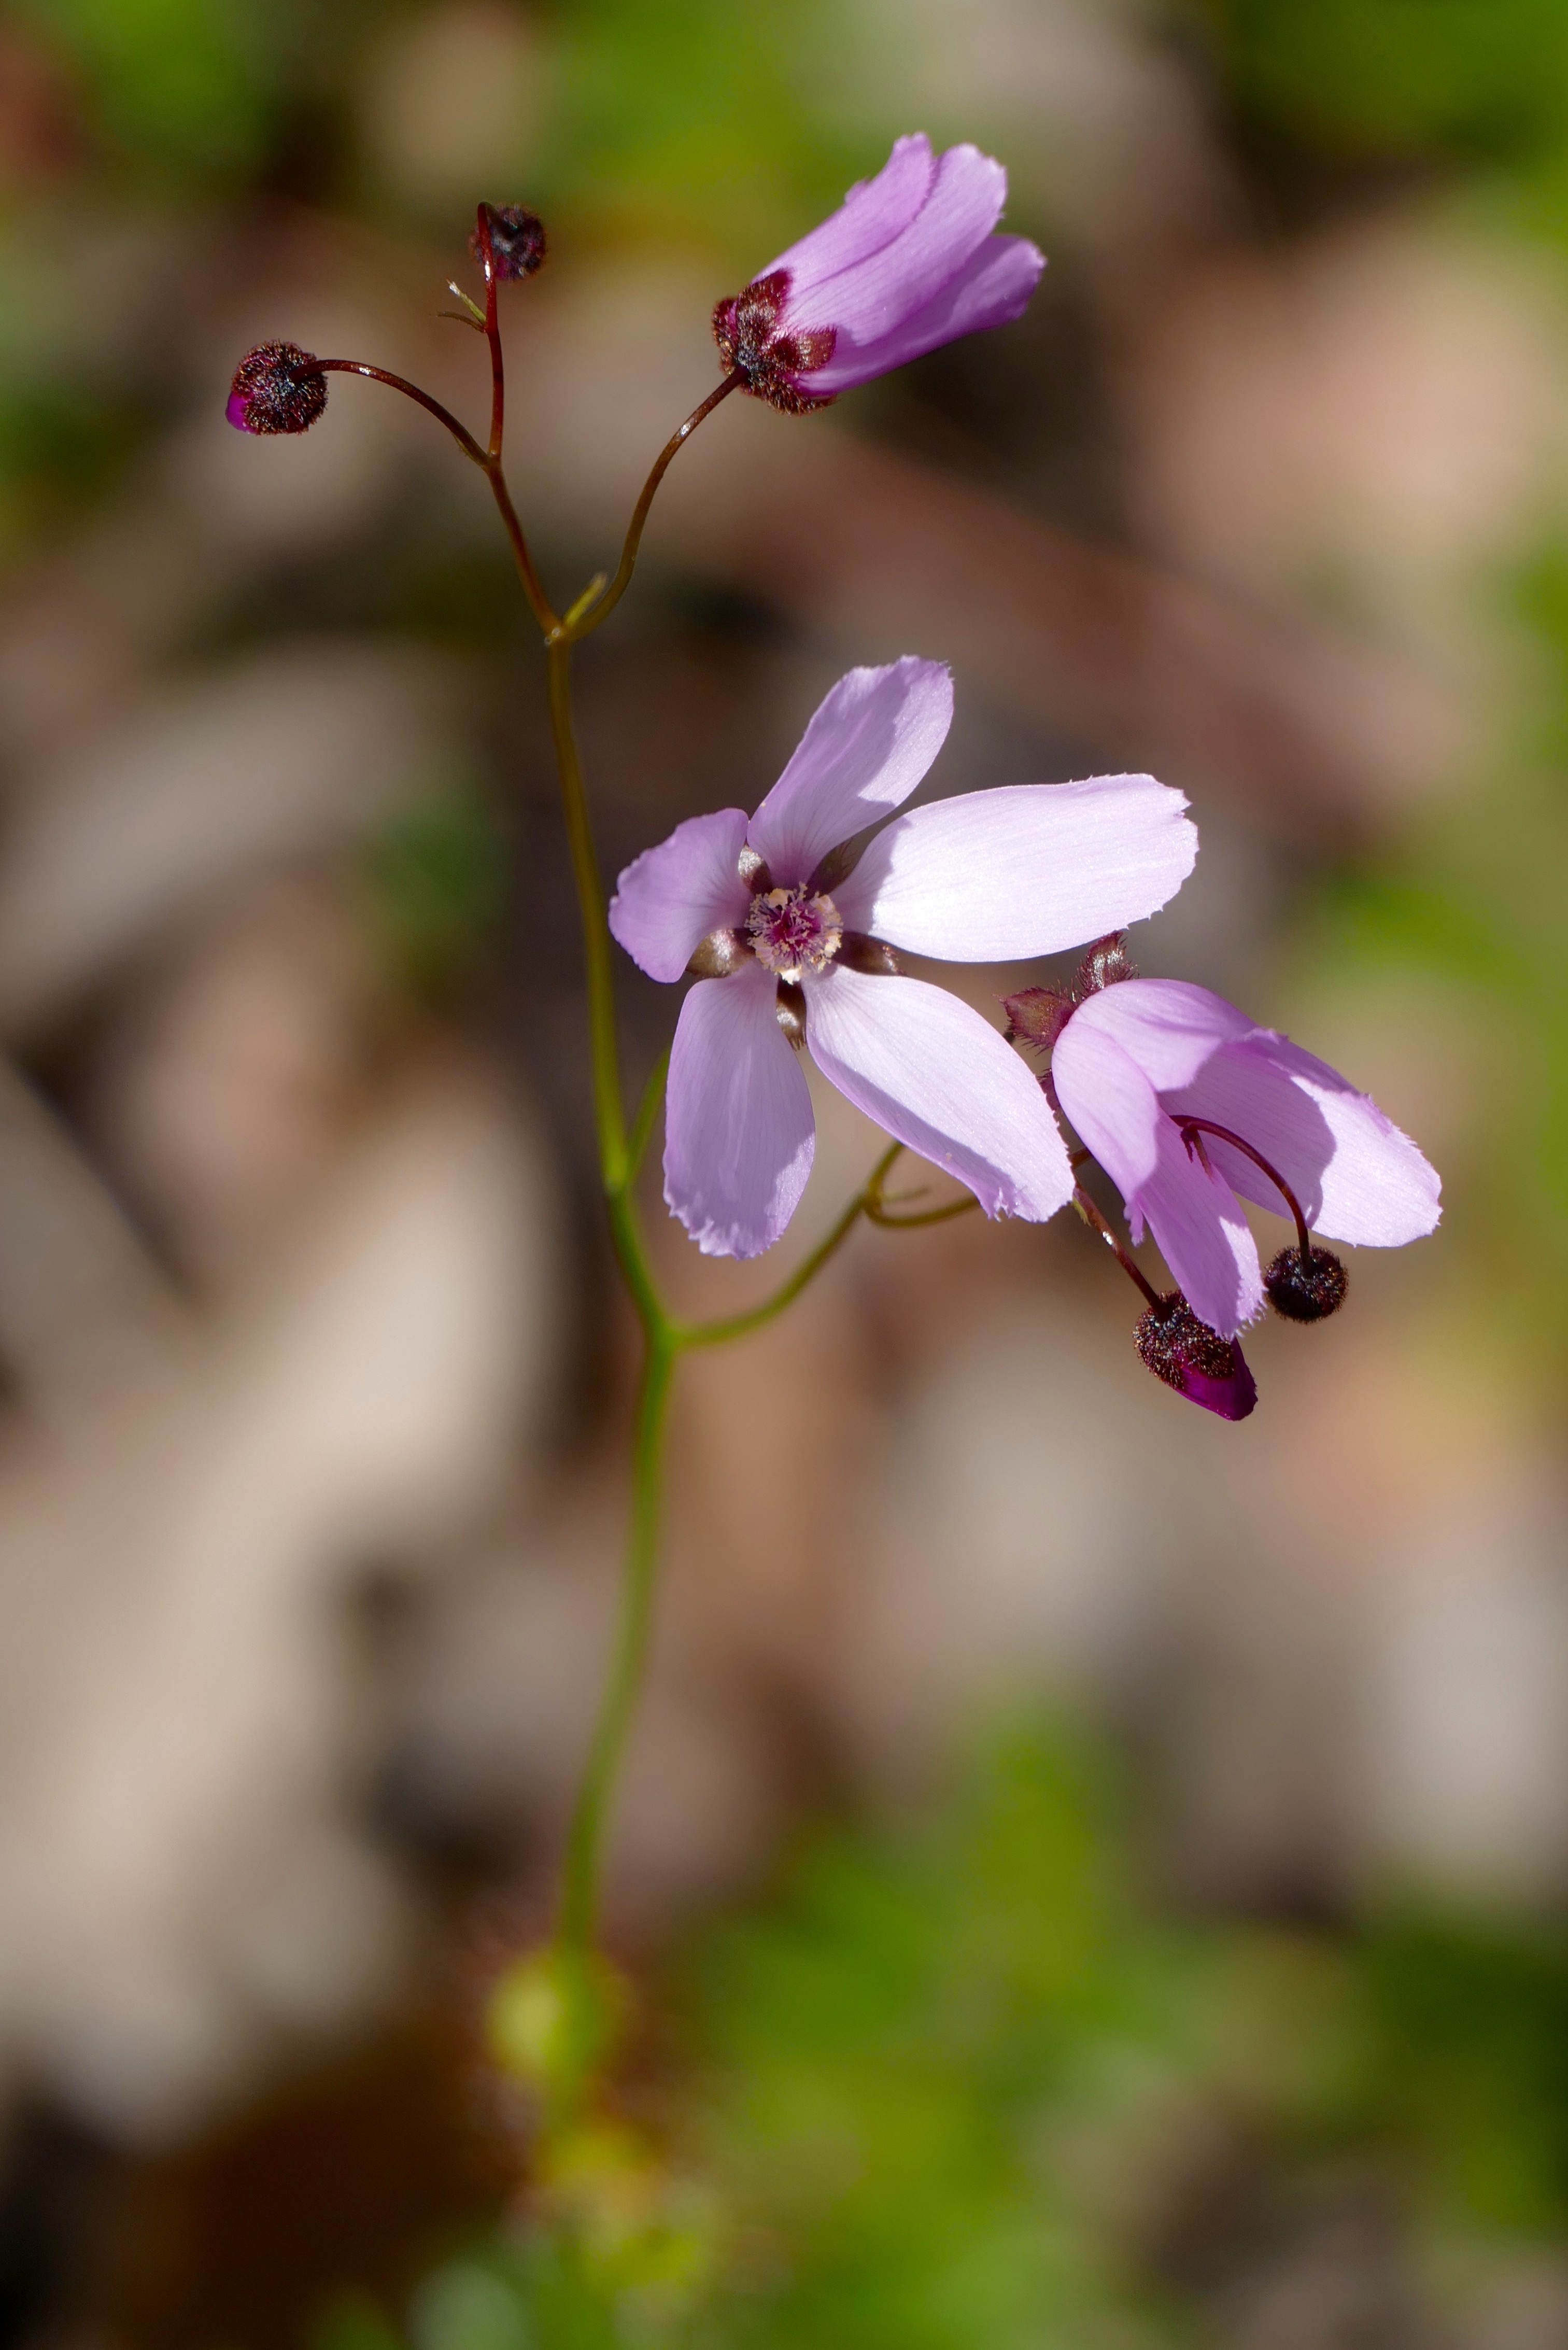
[1090,1876]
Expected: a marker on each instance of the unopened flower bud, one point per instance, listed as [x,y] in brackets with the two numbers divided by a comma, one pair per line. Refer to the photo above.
[1306,1289]
[516,241]
[277,387]
[554,2017]
[1103,963]
[1195,1359]
[1036,1015]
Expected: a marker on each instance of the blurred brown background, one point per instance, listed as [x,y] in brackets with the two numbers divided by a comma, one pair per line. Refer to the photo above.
[315,1374]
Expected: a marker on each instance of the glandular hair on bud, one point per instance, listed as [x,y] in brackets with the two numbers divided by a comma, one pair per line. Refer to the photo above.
[1103,962]
[1194,1359]
[1309,1289]
[277,387]
[517,244]
[1037,1015]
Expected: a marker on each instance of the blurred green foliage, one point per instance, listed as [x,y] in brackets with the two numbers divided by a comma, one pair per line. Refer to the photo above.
[1481,78]
[969,2086]
[1476,909]
[187,85]
[436,875]
[696,116]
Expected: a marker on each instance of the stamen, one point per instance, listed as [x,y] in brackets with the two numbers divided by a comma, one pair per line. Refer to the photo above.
[1193,1128]
[1302,1283]
[792,931]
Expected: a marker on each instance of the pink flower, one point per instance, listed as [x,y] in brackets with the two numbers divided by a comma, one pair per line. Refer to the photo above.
[793,929]
[1137,1057]
[908,261]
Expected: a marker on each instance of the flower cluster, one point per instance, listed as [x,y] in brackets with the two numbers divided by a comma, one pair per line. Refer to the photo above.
[790,921]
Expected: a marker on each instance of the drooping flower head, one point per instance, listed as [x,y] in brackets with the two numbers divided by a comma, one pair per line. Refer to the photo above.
[907,261]
[277,387]
[790,925]
[1186,1103]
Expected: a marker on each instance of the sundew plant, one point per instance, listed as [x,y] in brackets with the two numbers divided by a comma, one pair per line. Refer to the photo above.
[785,923]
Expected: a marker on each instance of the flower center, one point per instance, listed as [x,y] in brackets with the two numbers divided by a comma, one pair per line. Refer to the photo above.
[793,930]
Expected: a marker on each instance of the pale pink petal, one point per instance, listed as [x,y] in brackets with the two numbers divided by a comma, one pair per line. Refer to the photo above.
[1169,1026]
[937,1077]
[867,746]
[739,1134]
[1192,1212]
[996,876]
[670,897]
[869,299]
[872,215]
[1357,1178]
[993,286]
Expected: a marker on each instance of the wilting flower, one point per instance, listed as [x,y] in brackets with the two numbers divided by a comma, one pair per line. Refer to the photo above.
[908,261]
[790,930]
[277,387]
[1136,1058]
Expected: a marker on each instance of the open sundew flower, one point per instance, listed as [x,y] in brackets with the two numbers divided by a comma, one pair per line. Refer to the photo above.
[908,261]
[789,933]
[1186,1102]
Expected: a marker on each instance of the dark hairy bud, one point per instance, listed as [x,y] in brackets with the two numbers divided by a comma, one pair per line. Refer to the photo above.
[745,328]
[1036,1015]
[1103,962]
[1306,1289]
[516,241]
[277,387]
[1194,1359]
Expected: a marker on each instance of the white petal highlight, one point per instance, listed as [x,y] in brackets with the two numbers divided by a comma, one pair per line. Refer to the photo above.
[739,1134]
[997,876]
[867,746]
[937,1077]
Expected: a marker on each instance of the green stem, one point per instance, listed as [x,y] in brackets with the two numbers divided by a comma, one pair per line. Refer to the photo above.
[879,1215]
[608,1110]
[579,1891]
[590,611]
[740,1326]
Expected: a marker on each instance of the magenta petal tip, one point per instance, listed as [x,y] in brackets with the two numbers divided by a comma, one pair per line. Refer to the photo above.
[1195,1360]
[277,387]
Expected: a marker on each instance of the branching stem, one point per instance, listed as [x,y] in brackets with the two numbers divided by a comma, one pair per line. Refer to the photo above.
[665,1336]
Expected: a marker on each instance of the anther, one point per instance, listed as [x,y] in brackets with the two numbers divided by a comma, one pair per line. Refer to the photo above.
[1304,1284]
